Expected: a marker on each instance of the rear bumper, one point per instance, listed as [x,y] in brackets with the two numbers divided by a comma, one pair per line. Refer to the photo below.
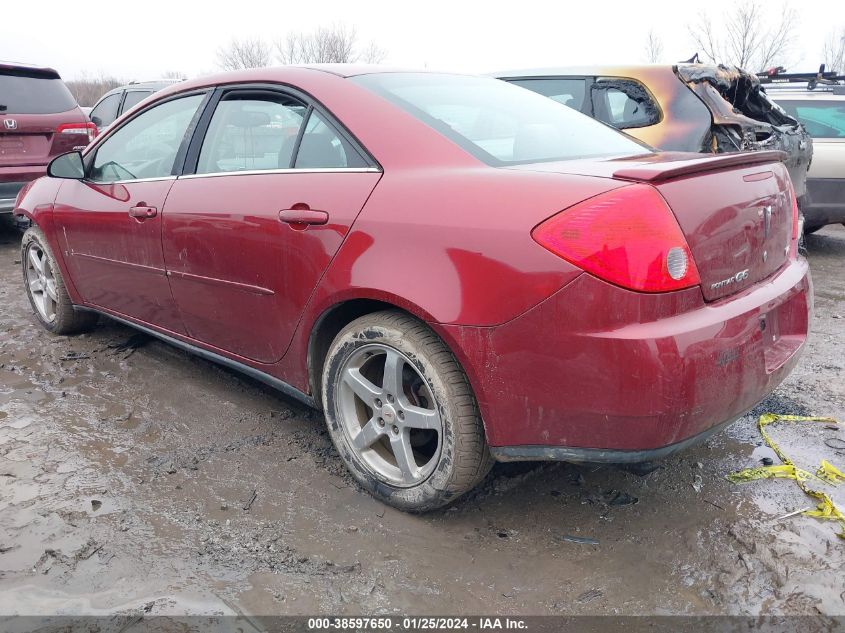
[600,373]
[826,203]
[13,179]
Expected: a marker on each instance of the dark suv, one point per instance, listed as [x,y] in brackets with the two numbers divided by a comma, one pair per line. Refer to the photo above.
[39,119]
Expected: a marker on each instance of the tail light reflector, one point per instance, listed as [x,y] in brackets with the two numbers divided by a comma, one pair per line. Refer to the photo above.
[628,237]
[88,129]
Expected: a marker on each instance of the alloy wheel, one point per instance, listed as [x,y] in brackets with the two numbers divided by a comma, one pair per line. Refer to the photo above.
[41,282]
[389,415]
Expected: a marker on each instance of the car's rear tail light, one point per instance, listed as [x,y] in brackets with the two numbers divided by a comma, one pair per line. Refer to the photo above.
[628,237]
[88,129]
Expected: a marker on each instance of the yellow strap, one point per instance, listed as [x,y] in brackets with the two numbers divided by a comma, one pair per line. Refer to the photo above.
[826,509]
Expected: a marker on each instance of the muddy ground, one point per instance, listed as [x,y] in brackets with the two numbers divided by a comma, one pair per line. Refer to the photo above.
[134,477]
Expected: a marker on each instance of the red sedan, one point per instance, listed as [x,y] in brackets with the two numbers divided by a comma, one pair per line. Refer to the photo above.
[456,270]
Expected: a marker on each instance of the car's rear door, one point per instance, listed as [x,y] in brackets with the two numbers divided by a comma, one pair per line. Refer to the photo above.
[110,222]
[276,185]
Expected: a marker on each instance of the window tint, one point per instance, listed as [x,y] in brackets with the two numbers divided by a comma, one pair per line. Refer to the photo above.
[33,95]
[134,97]
[106,110]
[497,122]
[624,103]
[146,146]
[569,92]
[322,147]
[823,119]
[250,131]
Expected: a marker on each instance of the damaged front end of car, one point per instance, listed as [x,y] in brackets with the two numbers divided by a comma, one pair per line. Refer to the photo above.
[745,119]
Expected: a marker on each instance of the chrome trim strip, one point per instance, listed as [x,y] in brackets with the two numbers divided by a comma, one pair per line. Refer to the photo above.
[123,182]
[216,281]
[256,172]
[147,269]
[257,374]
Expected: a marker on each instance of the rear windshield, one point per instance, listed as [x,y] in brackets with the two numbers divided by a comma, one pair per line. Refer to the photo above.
[33,95]
[497,122]
[823,119]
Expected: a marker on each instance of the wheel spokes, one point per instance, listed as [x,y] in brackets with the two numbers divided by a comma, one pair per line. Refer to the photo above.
[362,387]
[419,418]
[401,446]
[393,366]
[368,435]
[50,290]
[35,261]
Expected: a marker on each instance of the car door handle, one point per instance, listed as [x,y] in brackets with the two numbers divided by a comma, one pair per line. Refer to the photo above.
[302,214]
[142,212]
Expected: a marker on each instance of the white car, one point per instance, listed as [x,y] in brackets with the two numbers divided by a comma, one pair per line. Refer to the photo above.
[822,111]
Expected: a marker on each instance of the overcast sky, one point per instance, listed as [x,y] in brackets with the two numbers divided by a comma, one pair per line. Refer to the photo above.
[138,40]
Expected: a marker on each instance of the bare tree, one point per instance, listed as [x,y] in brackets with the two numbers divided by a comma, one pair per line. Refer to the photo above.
[87,89]
[833,51]
[175,74]
[748,36]
[337,44]
[653,47]
[244,53]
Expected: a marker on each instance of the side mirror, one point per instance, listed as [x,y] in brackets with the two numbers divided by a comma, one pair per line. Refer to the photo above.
[68,166]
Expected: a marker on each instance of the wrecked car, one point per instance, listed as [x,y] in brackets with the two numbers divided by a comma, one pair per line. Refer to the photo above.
[685,107]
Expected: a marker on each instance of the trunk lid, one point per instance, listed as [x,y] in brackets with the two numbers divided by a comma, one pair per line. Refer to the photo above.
[32,139]
[735,209]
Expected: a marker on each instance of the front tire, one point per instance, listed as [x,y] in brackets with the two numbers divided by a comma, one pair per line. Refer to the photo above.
[46,290]
[401,413]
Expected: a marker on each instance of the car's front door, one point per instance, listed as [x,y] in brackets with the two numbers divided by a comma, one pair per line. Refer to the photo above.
[276,187]
[110,222]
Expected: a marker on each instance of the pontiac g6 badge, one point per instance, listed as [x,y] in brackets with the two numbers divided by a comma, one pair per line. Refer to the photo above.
[742,275]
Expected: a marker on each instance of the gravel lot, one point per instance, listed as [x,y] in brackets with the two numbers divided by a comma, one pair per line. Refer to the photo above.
[137,478]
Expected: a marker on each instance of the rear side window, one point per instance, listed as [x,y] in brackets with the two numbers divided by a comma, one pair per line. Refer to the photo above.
[624,103]
[322,148]
[105,112]
[498,123]
[251,131]
[134,97]
[823,119]
[569,92]
[21,94]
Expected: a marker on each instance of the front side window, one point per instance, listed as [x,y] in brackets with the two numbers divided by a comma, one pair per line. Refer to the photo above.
[134,97]
[146,146]
[499,123]
[624,104]
[251,131]
[569,92]
[105,112]
[823,119]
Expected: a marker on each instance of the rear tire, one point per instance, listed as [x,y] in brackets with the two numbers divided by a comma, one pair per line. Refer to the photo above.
[392,389]
[46,290]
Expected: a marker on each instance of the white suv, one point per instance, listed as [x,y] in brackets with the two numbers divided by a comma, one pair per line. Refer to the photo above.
[822,111]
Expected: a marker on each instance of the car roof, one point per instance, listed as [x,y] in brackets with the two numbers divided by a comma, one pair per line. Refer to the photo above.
[804,94]
[30,69]
[592,70]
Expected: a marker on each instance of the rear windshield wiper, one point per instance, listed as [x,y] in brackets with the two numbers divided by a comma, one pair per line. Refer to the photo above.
[3,107]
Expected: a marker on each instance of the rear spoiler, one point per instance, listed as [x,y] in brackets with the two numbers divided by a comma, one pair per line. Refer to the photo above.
[666,170]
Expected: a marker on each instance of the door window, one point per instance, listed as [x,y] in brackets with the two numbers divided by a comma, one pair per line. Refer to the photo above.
[823,119]
[251,131]
[106,111]
[146,147]
[323,148]
[624,103]
[569,92]
[134,97]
